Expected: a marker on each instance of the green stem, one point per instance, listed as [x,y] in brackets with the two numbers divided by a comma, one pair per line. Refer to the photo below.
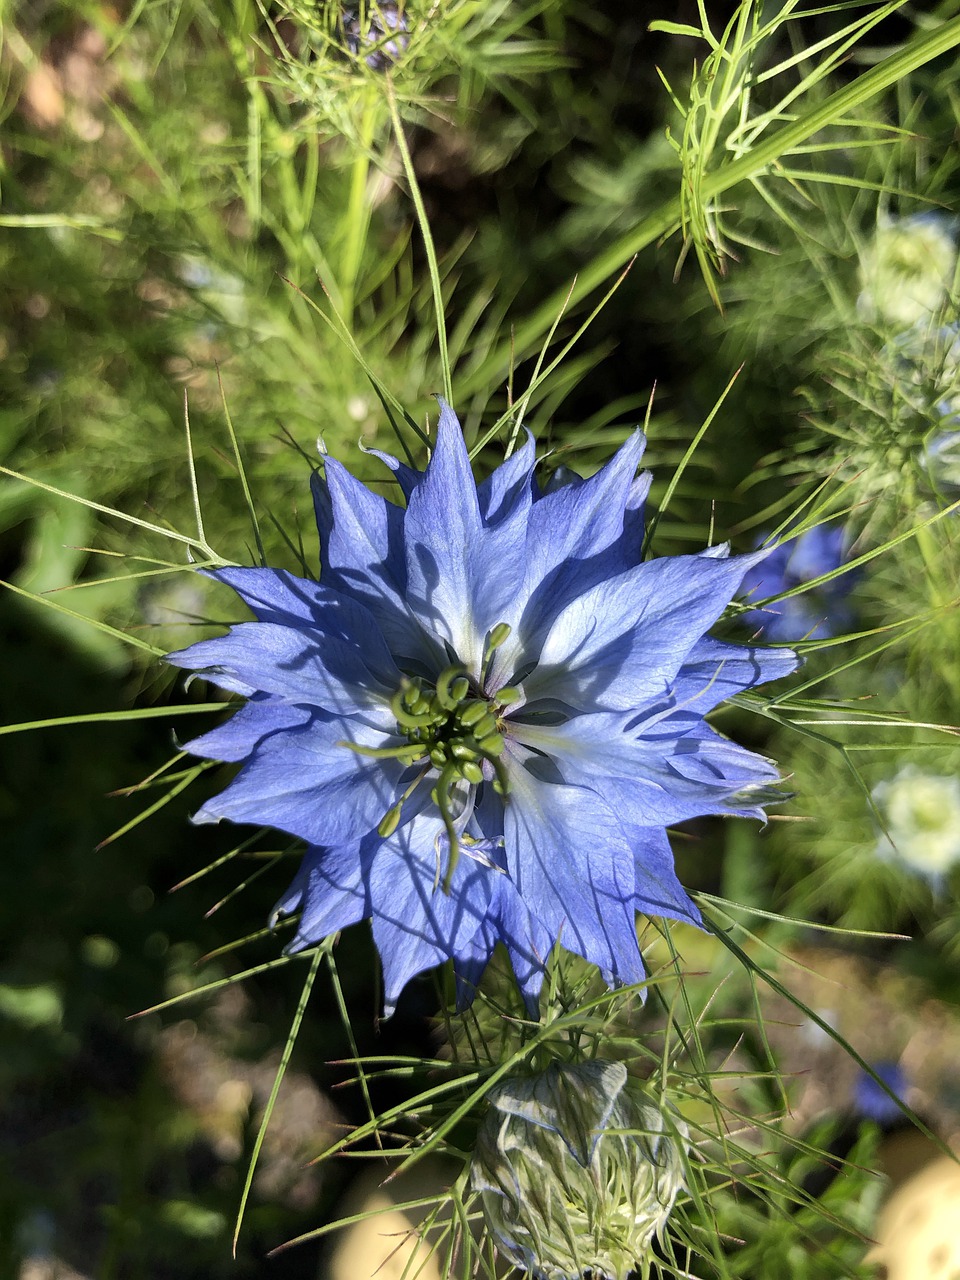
[427,240]
[667,218]
[358,211]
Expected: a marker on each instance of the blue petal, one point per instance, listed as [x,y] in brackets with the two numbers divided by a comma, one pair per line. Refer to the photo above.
[585,517]
[415,924]
[461,577]
[330,892]
[295,664]
[274,595]
[277,597]
[569,858]
[626,549]
[714,671]
[361,547]
[236,738]
[406,477]
[510,488]
[527,939]
[659,892]
[305,782]
[653,774]
[578,534]
[620,644]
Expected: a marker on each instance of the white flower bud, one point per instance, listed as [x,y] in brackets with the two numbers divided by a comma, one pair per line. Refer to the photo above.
[908,270]
[576,1171]
[922,815]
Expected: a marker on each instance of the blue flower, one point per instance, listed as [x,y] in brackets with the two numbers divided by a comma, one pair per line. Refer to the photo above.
[485,715]
[813,614]
[871,1102]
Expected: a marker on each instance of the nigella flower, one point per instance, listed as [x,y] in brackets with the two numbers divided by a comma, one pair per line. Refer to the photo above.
[822,611]
[907,270]
[484,716]
[921,813]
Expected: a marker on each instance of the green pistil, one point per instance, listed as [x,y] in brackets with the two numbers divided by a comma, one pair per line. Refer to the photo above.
[450,728]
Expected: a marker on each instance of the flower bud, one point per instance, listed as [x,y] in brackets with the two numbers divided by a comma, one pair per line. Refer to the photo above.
[921,813]
[576,1173]
[907,271]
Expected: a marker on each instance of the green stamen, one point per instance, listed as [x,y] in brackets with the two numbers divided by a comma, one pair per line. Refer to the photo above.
[497,635]
[408,753]
[390,821]
[474,712]
[454,728]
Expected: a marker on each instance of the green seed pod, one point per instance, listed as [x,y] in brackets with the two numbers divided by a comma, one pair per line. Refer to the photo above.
[577,1171]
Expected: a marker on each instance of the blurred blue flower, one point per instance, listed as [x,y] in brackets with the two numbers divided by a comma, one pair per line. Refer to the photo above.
[383,19]
[871,1102]
[485,716]
[811,615]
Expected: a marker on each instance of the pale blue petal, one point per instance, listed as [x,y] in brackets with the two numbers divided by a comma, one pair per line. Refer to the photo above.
[620,644]
[236,738]
[406,477]
[273,595]
[713,671]
[510,488]
[570,860]
[654,774]
[415,924]
[581,519]
[307,783]
[361,548]
[510,918]
[282,599]
[461,576]
[630,543]
[298,665]
[659,892]
[329,891]
[527,939]
[578,535]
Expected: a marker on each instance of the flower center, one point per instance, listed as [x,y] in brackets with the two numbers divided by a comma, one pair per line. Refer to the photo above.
[450,728]
[454,728]
[449,724]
